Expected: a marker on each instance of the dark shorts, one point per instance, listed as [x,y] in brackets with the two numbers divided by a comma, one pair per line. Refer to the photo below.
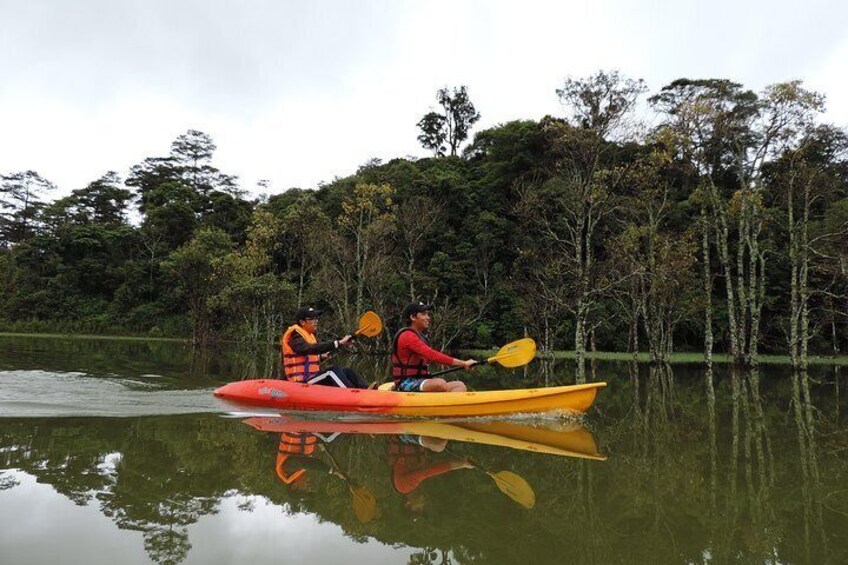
[410,385]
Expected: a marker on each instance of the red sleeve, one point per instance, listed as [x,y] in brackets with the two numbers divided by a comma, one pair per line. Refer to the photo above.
[407,480]
[411,342]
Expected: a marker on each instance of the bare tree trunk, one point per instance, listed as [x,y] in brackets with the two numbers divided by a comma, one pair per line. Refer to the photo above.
[580,343]
[794,302]
[804,290]
[722,236]
[708,293]
[633,336]
[594,348]
[411,270]
[741,294]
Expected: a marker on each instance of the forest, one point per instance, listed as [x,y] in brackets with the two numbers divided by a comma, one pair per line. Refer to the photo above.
[702,217]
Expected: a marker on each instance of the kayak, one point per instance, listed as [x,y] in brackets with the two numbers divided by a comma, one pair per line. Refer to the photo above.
[285,395]
[570,440]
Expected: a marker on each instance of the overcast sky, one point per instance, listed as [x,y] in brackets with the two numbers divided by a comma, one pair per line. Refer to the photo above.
[301,92]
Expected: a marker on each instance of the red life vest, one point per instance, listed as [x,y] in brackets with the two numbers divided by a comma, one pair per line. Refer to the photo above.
[398,449]
[299,368]
[415,366]
[293,444]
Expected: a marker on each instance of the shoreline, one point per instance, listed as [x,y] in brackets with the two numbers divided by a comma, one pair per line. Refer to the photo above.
[676,358]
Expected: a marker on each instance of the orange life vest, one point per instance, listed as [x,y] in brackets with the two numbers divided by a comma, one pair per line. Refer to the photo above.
[293,444]
[298,368]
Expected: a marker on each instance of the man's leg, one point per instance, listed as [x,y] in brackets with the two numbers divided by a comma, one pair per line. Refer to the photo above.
[354,380]
[329,378]
[441,385]
[341,377]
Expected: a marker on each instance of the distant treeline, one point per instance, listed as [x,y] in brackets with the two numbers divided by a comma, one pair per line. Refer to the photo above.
[724,226]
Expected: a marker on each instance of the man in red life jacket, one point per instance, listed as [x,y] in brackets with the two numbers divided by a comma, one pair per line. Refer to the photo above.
[408,458]
[302,354]
[411,353]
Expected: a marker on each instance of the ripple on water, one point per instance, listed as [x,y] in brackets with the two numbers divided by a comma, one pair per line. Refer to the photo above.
[36,393]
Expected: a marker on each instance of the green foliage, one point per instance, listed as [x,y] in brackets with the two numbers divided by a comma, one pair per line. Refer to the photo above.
[450,128]
[538,225]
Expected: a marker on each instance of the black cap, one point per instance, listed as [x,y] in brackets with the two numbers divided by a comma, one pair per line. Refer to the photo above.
[415,308]
[307,314]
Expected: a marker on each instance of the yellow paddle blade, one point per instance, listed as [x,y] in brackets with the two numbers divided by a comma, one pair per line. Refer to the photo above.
[514,487]
[364,503]
[515,354]
[370,324]
[387,386]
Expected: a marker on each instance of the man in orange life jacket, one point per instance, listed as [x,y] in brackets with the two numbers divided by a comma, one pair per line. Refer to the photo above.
[302,354]
[411,353]
[294,456]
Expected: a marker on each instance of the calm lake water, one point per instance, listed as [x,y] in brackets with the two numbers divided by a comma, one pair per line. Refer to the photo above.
[116,451]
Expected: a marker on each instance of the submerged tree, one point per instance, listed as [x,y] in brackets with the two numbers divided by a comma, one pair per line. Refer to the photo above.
[569,210]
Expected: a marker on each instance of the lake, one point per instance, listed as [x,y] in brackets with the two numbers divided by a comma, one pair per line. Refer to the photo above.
[117,451]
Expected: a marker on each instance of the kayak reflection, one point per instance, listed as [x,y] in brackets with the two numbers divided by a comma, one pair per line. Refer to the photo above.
[566,439]
[417,451]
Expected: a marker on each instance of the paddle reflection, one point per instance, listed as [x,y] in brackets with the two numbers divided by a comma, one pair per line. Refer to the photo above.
[416,452]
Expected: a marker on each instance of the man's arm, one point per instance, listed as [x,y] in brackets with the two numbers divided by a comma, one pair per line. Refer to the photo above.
[411,341]
[301,347]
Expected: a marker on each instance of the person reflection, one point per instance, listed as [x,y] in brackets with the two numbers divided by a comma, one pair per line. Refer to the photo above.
[408,459]
[295,457]
[300,453]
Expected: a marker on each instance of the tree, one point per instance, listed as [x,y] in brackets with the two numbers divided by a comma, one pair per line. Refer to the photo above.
[249,292]
[568,211]
[20,205]
[102,202]
[355,257]
[733,136]
[433,133]
[192,152]
[602,101]
[192,268]
[452,125]
[416,217]
[808,180]
[303,223]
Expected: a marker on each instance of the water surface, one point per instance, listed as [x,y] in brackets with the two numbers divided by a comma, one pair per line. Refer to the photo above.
[118,448]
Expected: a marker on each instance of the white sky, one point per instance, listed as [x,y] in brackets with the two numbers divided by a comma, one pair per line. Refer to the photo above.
[301,92]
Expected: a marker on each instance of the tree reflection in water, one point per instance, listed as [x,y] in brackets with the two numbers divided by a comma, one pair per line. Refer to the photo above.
[719,462]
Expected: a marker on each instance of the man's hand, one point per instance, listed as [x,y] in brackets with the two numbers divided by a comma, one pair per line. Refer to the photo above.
[346,340]
[468,363]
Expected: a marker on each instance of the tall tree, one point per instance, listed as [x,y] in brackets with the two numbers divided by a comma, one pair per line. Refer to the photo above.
[450,127]
[808,180]
[192,151]
[710,117]
[568,211]
[102,202]
[355,257]
[19,205]
[249,293]
[192,268]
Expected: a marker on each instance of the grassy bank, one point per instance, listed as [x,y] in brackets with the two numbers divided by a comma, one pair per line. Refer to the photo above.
[92,336]
[676,358]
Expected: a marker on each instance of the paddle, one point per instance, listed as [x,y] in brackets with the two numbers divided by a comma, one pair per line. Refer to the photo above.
[509,483]
[370,325]
[364,502]
[514,354]
[512,485]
